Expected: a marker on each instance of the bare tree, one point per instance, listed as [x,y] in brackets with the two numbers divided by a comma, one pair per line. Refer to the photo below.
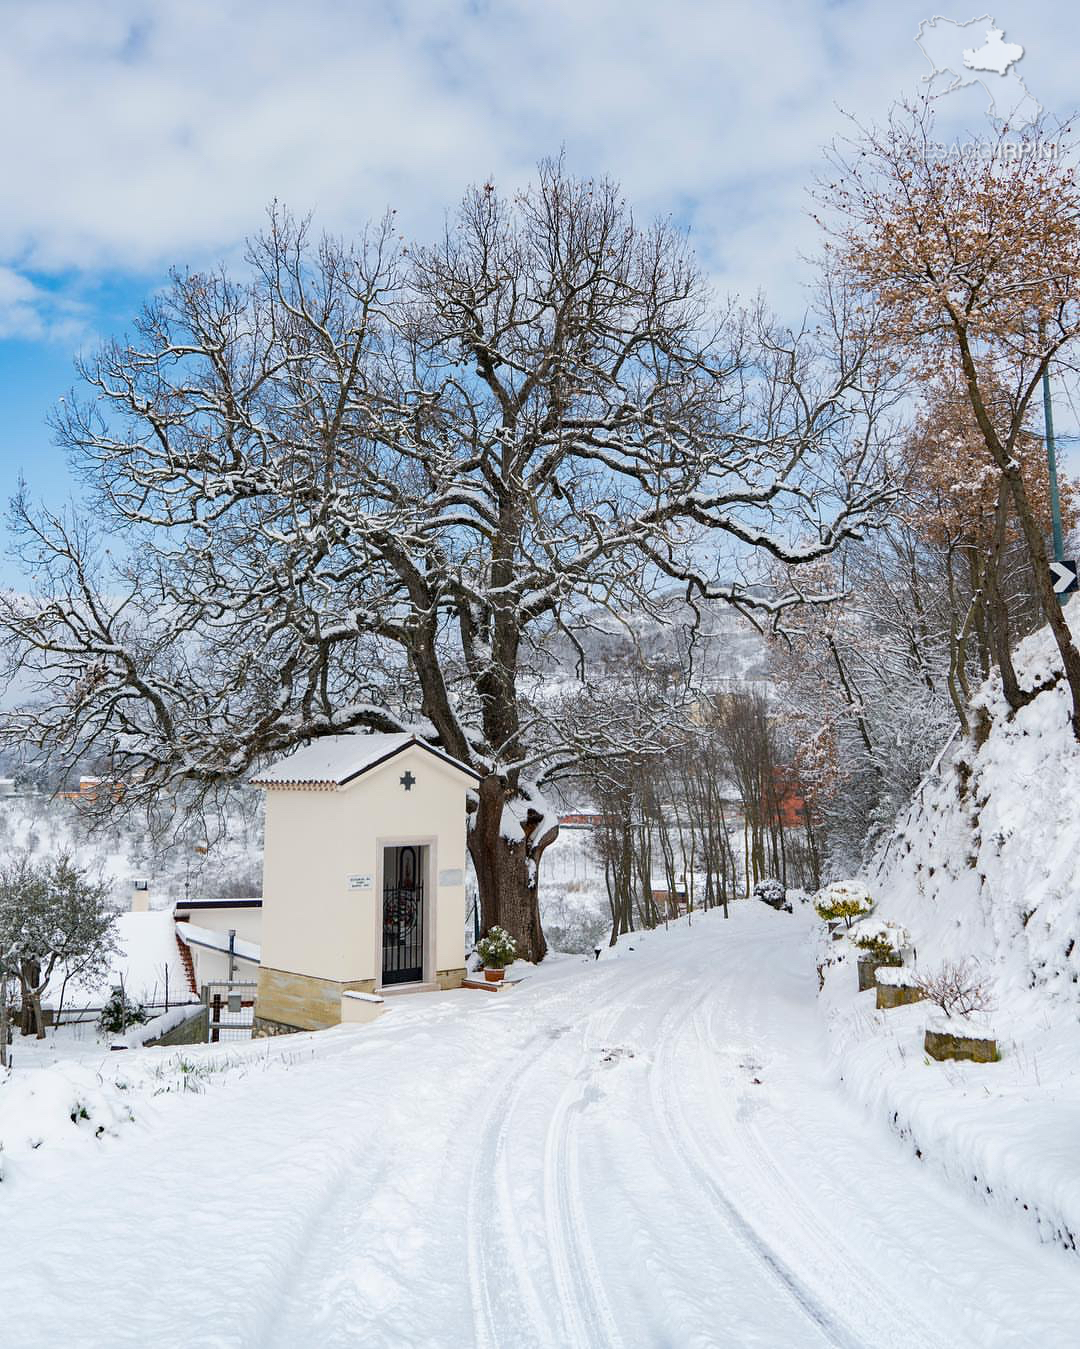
[956,987]
[358,488]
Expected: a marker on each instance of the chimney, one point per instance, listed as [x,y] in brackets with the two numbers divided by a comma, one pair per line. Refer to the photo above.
[140,895]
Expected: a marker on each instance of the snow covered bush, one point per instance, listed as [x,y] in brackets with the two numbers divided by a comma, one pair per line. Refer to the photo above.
[956,988]
[843,899]
[884,941]
[497,949]
[880,950]
[771,892]
[120,1012]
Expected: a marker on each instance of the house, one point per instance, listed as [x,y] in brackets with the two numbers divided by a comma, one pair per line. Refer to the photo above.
[222,938]
[363,877]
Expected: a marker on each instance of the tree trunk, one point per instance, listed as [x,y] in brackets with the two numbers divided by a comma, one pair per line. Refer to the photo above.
[507,874]
[997,611]
[30,1016]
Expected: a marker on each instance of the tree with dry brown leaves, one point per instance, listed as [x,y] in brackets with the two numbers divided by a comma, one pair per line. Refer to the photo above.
[968,264]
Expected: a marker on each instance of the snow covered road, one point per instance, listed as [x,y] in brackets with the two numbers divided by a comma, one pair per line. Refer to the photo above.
[647,1150]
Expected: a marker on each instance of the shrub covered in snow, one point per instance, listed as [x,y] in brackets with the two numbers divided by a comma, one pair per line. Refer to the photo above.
[843,899]
[879,950]
[771,892]
[121,1012]
[885,942]
[497,949]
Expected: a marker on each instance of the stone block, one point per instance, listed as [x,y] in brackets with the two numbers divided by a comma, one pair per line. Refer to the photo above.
[897,995]
[941,1043]
[357,1009]
[868,968]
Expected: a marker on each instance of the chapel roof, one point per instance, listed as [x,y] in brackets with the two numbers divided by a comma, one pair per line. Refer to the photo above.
[334,760]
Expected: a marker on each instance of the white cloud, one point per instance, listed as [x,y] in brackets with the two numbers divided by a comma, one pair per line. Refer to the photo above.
[30,311]
[151,135]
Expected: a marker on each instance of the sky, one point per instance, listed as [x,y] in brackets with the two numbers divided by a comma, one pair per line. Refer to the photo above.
[136,137]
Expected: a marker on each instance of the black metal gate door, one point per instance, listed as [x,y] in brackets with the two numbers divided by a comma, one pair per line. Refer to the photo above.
[403,916]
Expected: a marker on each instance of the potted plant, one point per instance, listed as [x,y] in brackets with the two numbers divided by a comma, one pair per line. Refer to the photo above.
[496,950]
[842,901]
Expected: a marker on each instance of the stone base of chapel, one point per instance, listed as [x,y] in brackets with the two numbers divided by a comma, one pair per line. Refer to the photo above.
[286,1002]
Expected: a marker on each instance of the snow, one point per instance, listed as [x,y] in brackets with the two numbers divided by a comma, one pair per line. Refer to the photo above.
[194,935]
[147,947]
[895,976]
[985,866]
[126,848]
[652,1148]
[337,759]
[158,1026]
[975,1027]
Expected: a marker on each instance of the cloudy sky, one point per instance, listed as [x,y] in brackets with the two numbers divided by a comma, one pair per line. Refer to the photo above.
[140,136]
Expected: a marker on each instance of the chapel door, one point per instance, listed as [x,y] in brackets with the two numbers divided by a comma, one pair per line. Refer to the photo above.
[403,915]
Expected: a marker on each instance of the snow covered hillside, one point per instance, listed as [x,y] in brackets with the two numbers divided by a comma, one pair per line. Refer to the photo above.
[984,868]
[645,1150]
[986,862]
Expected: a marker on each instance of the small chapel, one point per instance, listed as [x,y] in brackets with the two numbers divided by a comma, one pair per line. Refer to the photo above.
[363,878]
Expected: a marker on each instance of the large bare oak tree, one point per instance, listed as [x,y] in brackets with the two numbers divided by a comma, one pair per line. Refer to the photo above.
[358,487]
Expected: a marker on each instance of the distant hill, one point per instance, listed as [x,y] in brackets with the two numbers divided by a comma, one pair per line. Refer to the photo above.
[725,649]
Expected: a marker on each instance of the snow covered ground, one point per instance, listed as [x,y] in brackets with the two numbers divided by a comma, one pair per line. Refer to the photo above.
[649,1149]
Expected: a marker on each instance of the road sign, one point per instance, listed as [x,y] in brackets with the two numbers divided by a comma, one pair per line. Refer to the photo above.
[1063,576]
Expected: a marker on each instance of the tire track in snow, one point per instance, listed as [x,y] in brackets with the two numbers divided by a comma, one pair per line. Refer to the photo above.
[685,1146]
[496,1255]
[494,1262]
[587,1316]
[816,1235]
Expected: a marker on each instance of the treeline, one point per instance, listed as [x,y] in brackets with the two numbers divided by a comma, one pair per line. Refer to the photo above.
[698,795]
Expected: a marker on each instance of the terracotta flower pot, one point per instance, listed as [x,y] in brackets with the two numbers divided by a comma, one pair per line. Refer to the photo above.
[493,976]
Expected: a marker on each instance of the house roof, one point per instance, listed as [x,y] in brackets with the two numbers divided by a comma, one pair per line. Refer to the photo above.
[218,941]
[336,760]
[193,904]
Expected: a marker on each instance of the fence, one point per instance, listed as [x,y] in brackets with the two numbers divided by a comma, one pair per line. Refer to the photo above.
[232,1007]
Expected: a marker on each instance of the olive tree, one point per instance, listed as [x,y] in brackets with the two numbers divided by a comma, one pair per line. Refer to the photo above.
[53,916]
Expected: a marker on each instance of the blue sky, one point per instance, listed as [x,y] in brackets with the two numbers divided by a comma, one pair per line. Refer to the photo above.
[137,137]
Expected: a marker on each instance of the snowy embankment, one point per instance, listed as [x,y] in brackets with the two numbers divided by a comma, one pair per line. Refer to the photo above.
[985,867]
[648,1149]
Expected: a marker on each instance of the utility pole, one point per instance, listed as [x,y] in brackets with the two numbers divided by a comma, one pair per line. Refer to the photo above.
[1051,460]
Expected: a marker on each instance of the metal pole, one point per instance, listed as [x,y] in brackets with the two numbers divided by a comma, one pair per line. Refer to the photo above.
[232,954]
[1051,460]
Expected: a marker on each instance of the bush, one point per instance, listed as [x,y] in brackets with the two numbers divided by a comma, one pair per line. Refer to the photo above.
[956,988]
[771,892]
[884,942]
[880,950]
[843,899]
[119,1013]
[497,949]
